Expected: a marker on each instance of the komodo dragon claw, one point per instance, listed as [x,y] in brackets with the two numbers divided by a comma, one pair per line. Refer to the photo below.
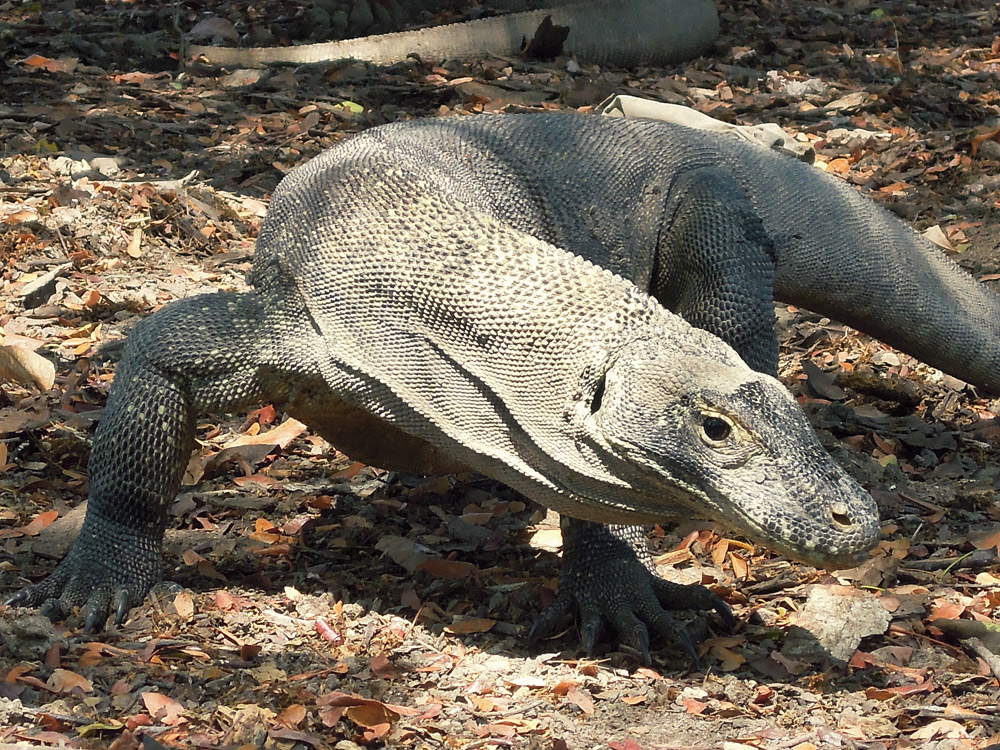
[608,579]
[105,577]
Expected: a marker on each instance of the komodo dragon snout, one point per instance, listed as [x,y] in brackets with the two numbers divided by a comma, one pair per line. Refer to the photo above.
[740,446]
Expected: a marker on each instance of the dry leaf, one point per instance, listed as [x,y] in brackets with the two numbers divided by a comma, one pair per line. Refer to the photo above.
[936,235]
[382,667]
[134,248]
[628,744]
[402,551]
[62,65]
[838,165]
[184,604]
[215,29]
[563,687]
[65,681]
[39,522]
[693,706]
[350,472]
[280,436]
[581,699]
[484,704]
[162,708]
[470,625]
[979,140]
[226,602]
[985,540]
[741,568]
[20,217]
[719,551]
[945,610]
[549,540]
[527,681]
[940,728]
[367,713]
[24,366]
[731,660]
[292,716]
[260,479]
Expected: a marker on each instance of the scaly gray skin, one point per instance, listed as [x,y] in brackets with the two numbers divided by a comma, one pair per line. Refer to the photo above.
[606,32]
[415,307]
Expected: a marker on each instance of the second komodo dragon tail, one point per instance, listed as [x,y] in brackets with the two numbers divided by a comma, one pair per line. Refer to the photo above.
[844,256]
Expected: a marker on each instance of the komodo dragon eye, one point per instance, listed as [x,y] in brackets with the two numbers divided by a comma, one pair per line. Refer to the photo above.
[716,429]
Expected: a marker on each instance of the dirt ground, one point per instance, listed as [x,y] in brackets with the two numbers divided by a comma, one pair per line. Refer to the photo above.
[316,603]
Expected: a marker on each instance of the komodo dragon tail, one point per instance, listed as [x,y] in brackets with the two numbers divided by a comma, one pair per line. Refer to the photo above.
[844,256]
[607,32]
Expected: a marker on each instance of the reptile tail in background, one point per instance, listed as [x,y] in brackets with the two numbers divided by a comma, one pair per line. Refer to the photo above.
[606,32]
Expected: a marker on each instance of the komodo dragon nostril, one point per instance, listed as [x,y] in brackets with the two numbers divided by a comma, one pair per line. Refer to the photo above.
[840,515]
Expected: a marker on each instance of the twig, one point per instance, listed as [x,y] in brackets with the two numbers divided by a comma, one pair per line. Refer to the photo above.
[509,712]
[948,713]
[980,650]
[161,184]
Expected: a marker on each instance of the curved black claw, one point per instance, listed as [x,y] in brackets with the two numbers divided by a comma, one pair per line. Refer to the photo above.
[607,580]
[107,572]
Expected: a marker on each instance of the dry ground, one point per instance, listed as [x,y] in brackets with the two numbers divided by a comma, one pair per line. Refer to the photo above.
[318,603]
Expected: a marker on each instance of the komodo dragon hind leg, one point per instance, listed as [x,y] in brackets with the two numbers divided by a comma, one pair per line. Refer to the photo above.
[714,267]
[142,446]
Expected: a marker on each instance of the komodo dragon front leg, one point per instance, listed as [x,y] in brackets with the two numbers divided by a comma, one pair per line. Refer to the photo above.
[715,268]
[212,354]
[169,374]
[172,370]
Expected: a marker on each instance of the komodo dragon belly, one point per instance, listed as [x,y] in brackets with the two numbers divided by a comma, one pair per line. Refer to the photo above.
[363,436]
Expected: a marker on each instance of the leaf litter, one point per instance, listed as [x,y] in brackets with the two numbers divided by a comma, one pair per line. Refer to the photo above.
[315,602]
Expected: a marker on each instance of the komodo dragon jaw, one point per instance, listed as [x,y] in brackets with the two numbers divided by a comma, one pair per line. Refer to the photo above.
[708,437]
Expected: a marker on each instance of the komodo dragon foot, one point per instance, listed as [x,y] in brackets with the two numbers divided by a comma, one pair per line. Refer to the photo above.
[608,577]
[108,571]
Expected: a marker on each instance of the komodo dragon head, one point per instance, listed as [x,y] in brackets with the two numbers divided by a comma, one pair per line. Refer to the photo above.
[702,430]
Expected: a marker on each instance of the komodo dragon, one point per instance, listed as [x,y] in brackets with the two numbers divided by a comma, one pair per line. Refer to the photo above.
[606,32]
[473,292]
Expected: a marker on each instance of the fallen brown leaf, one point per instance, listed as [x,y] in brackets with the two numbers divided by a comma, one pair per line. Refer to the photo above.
[184,604]
[65,681]
[163,708]
[470,625]
[24,366]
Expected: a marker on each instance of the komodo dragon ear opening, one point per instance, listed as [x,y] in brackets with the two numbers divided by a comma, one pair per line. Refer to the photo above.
[598,399]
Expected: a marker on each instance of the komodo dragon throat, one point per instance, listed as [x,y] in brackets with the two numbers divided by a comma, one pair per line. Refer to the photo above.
[441,293]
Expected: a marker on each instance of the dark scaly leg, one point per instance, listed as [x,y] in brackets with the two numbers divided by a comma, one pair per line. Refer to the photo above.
[715,268]
[608,576]
[195,355]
